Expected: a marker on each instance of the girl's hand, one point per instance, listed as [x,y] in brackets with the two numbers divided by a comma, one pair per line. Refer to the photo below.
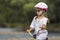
[27,30]
[43,27]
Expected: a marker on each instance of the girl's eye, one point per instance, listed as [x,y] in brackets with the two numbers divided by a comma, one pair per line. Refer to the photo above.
[38,10]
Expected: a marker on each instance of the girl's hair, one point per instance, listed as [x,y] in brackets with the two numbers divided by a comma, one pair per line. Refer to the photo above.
[45,14]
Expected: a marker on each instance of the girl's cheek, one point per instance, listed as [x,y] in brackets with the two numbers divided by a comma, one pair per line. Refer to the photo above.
[41,12]
[37,13]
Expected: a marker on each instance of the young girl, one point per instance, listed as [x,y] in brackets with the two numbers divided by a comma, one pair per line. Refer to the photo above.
[39,22]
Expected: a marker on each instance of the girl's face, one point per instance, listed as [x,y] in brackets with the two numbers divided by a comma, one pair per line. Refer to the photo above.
[39,12]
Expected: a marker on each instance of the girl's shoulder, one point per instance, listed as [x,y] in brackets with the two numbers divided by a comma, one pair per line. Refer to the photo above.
[46,18]
[35,17]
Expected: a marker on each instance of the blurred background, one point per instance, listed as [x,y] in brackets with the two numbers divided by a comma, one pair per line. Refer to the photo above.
[19,14]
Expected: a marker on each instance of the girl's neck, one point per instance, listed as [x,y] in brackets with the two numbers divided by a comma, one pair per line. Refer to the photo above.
[39,17]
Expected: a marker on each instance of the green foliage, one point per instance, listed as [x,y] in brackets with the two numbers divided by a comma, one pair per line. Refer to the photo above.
[28,7]
[22,11]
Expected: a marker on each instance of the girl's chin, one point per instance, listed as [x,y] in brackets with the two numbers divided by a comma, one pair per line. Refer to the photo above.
[38,15]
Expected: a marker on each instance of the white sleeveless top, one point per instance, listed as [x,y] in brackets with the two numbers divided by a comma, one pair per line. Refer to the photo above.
[36,24]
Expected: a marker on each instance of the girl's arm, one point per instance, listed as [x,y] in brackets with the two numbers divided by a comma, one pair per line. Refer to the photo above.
[44,24]
[31,25]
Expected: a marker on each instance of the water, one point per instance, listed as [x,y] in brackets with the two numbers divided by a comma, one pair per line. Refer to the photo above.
[54,34]
[20,34]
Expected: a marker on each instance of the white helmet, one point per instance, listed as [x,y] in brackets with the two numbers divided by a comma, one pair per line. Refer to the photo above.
[42,5]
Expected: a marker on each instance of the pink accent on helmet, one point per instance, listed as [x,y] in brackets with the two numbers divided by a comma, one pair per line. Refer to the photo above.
[45,9]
